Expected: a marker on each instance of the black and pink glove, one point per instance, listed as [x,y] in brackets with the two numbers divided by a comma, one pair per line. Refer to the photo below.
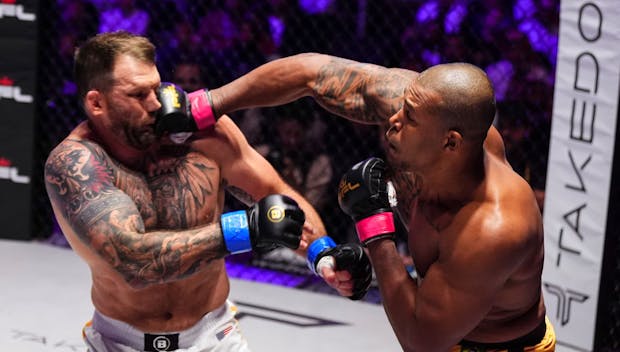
[183,112]
[365,195]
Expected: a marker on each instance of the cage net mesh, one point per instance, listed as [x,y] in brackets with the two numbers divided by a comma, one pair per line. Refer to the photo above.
[209,43]
[228,38]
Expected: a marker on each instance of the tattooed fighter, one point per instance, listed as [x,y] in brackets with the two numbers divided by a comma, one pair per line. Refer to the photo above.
[475,231]
[146,213]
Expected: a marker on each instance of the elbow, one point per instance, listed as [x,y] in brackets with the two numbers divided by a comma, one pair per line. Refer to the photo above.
[310,61]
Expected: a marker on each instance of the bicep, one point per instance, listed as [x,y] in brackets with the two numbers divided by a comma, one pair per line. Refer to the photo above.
[361,92]
[80,185]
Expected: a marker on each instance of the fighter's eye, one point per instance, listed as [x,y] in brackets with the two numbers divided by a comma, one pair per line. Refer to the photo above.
[408,115]
[139,95]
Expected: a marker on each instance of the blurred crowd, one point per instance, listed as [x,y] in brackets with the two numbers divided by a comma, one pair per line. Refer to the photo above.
[209,43]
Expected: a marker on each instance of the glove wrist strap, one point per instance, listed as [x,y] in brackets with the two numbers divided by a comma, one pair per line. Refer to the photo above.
[378,225]
[236,232]
[201,108]
[315,248]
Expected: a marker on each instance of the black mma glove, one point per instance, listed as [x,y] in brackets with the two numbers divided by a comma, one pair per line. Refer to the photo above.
[349,256]
[275,220]
[365,195]
[183,112]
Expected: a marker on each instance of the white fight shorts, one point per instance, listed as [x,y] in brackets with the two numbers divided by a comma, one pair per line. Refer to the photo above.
[216,331]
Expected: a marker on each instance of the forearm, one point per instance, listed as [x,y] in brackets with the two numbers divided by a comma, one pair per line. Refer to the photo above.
[398,290]
[274,83]
[267,181]
[160,256]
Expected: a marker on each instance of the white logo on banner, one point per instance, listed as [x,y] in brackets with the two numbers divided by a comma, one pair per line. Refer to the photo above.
[9,91]
[12,173]
[17,11]
[8,172]
[579,171]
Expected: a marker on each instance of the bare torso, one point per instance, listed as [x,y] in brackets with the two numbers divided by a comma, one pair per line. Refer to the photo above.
[518,307]
[177,189]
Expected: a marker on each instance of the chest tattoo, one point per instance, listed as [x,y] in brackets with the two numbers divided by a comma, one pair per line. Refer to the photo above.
[184,190]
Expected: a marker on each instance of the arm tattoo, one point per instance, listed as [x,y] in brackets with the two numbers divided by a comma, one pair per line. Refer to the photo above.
[241,195]
[76,177]
[156,257]
[80,181]
[361,92]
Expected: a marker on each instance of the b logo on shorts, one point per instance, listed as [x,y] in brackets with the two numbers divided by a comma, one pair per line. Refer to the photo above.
[161,343]
[158,343]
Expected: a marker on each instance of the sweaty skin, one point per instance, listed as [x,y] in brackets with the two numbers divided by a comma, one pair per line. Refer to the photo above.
[144,213]
[475,231]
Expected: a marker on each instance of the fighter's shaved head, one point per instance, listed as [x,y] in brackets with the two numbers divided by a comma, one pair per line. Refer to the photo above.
[467,99]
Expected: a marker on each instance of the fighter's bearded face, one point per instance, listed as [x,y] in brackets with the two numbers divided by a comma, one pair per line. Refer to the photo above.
[131,103]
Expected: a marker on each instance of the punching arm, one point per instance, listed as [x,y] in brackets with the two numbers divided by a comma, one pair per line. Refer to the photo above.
[360,92]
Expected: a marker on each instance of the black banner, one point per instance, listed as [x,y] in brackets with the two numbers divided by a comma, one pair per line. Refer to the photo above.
[18,75]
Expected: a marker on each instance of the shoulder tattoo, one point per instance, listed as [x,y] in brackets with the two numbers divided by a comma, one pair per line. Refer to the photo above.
[359,91]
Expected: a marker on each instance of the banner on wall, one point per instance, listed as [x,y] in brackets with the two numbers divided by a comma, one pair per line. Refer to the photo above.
[18,53]
[580,166]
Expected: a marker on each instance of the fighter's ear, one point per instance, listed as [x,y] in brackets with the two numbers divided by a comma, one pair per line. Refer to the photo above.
[93,102]
[453,140]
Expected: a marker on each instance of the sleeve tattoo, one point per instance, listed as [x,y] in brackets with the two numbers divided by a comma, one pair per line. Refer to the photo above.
[361,92]
[80,183]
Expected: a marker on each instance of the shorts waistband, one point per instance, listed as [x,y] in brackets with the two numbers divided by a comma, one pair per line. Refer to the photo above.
[530,339]
[128,335]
